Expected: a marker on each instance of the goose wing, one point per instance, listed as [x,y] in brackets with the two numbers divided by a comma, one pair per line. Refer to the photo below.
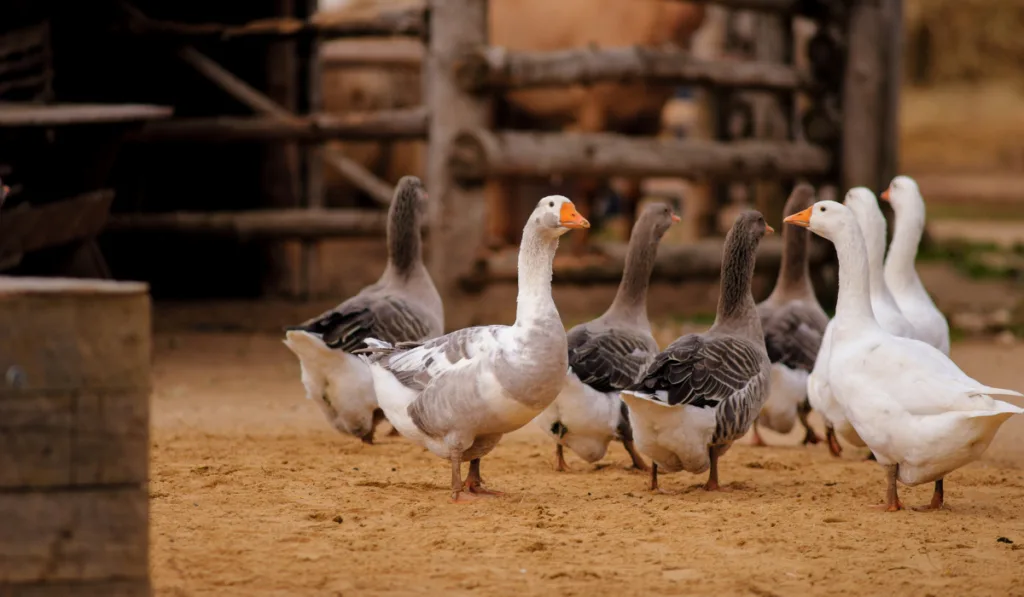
[387,318]
[792,336]
[449,373]
[609,360]
[700,371]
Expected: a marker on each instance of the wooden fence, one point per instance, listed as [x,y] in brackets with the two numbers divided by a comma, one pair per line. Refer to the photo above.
[844,135]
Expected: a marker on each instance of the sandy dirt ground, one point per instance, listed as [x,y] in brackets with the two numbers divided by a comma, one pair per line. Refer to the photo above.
[253,494]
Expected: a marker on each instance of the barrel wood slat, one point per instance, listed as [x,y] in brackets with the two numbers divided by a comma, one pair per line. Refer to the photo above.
[74,437]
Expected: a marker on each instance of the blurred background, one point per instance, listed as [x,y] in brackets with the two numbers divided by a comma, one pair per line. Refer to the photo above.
[227,154]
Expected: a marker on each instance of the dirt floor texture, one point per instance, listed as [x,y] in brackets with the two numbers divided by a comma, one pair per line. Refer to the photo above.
[254,494]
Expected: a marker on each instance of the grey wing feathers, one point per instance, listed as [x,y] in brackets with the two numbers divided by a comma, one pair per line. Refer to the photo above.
[349,325]
[792,336]
[701,371]
[608,360]
[416,364]
[445,391]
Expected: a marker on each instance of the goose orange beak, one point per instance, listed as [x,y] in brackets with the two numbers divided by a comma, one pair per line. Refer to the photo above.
[568,217]
[768,229]
[675,218]
[885,194]
[801,219]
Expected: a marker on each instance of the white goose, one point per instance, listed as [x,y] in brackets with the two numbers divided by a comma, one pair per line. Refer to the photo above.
[458,394]
[900,274]
[402,306]
[864,205]
[915,409]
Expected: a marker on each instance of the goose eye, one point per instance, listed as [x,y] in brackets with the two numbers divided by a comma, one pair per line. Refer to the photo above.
[822,208]
[551,203]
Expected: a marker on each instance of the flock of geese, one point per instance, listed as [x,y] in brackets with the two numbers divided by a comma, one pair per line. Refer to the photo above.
[878,372]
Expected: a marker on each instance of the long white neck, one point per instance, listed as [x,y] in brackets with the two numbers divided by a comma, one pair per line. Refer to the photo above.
[536,254]
[853,307]
[872,226]
[900,273]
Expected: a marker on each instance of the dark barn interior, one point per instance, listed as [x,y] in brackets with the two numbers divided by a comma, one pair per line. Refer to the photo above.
[93,78]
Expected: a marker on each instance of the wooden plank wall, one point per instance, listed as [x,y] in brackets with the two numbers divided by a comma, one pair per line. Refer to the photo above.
[74,437]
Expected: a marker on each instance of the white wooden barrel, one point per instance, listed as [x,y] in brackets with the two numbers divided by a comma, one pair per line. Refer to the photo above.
[74,437]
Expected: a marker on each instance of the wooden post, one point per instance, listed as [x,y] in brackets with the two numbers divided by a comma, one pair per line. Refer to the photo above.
[311,101]
[773,112]
[457,212]
[863,88]
[282,167]
[74,437]
[893,39]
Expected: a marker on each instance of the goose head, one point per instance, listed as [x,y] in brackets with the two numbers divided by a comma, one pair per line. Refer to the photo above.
[903,193]
[827,219]
[750,225]
[412,190]
[555,215]
[862,202]
[408,206]
[657,218]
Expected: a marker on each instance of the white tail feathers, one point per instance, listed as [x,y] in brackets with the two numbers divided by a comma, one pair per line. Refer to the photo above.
[310,348]
[660,397]
[989,391]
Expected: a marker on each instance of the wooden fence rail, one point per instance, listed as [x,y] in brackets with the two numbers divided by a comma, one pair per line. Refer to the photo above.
[409,123]
[496,68]
[260,224]
[481,153]
[406,22]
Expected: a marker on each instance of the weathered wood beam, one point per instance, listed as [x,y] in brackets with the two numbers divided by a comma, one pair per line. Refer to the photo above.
[786,6]
[311,100]
[74,437]
[497,68]
[457,218]
[19,114]
[893,78]
[863,98]
[29,228]
[679,263]
[404,22]
[262,224]
[362,178]
[381,53]
[235,87]
[410,123]
[480,153]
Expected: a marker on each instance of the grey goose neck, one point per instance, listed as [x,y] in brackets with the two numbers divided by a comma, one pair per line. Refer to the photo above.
[631,298]
[736,307]
[405,252]
[794,279]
